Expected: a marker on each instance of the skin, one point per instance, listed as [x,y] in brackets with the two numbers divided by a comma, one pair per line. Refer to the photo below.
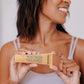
[46,40]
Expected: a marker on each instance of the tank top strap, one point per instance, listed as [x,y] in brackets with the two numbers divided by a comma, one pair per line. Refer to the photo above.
[72,48]
[18,43]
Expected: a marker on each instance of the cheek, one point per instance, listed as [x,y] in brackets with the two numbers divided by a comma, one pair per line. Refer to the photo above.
[53,2]
[56,2]
[53,15]
[51,11]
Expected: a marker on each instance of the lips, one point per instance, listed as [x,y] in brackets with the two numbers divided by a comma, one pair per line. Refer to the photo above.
[64,10]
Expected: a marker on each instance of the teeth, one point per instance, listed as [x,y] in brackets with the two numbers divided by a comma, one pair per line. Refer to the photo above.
[63,9]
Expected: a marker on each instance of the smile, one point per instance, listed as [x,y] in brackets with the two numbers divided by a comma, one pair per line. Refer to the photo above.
[64,11]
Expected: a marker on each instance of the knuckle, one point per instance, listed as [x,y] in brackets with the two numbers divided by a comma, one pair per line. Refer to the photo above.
[78,68]
[68,69]
[64,66]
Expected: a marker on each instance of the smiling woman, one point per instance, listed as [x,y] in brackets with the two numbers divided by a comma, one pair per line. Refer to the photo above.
[28,18]
[40,31]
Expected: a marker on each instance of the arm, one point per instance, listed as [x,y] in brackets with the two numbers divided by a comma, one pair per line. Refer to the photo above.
[11,82]
[4,63]
[79,57]
[9,68]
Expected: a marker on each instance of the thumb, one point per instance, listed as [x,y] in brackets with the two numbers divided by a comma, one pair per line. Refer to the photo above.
[76,75]
[31,66]
[59,73]
[28,67]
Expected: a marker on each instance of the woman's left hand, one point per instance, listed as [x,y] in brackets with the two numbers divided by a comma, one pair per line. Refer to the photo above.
[68,71]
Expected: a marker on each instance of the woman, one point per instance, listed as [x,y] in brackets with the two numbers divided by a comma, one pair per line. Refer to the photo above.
[39,26]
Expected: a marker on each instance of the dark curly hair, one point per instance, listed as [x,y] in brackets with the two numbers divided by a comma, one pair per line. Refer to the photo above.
[27,18]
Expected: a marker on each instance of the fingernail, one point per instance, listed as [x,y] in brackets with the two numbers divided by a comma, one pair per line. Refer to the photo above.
[33,52]
[53,67]
[62,57]
[29,52]
[53,52]
[38,52]
[22,52]
[33,65]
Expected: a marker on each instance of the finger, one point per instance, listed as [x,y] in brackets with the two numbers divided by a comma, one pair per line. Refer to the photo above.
[19,66]
[29,52]
[56,53]
[60,65]
[34,52]
[12,67]
[69,73]
[38,53]
[64,70]
[71,70]
[30,66]
[59,73]
[66,61]
[60,54]
[12,62]
[26,68]
[76,74]
[65,66]
[69,65]
[53,52]
[21,51]
[33,65]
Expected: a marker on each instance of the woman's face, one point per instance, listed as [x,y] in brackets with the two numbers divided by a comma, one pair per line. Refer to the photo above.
[56,10]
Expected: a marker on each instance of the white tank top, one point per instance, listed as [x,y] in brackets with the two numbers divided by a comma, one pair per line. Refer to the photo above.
[50,78]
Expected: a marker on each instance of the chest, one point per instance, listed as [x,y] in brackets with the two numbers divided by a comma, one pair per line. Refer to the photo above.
[59,47]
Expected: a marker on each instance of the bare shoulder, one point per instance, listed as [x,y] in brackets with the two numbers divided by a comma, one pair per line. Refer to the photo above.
[6,52]
[8,49]
[79,55]
[79,52]
[80,42]
[65,35]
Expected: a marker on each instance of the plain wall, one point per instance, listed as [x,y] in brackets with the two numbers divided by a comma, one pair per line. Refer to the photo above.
[74,24]
[8,21]
[0,22]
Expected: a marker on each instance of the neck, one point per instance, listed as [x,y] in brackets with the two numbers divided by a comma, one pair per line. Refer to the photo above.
[46,29]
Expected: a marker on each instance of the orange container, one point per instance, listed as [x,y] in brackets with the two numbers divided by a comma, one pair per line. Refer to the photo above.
[36,58]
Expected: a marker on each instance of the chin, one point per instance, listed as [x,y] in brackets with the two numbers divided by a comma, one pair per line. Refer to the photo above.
[61,22]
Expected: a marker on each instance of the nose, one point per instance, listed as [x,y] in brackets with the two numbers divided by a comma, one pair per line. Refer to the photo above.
[67,1]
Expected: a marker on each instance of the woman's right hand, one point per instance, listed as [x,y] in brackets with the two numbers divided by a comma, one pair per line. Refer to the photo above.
[19,70]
